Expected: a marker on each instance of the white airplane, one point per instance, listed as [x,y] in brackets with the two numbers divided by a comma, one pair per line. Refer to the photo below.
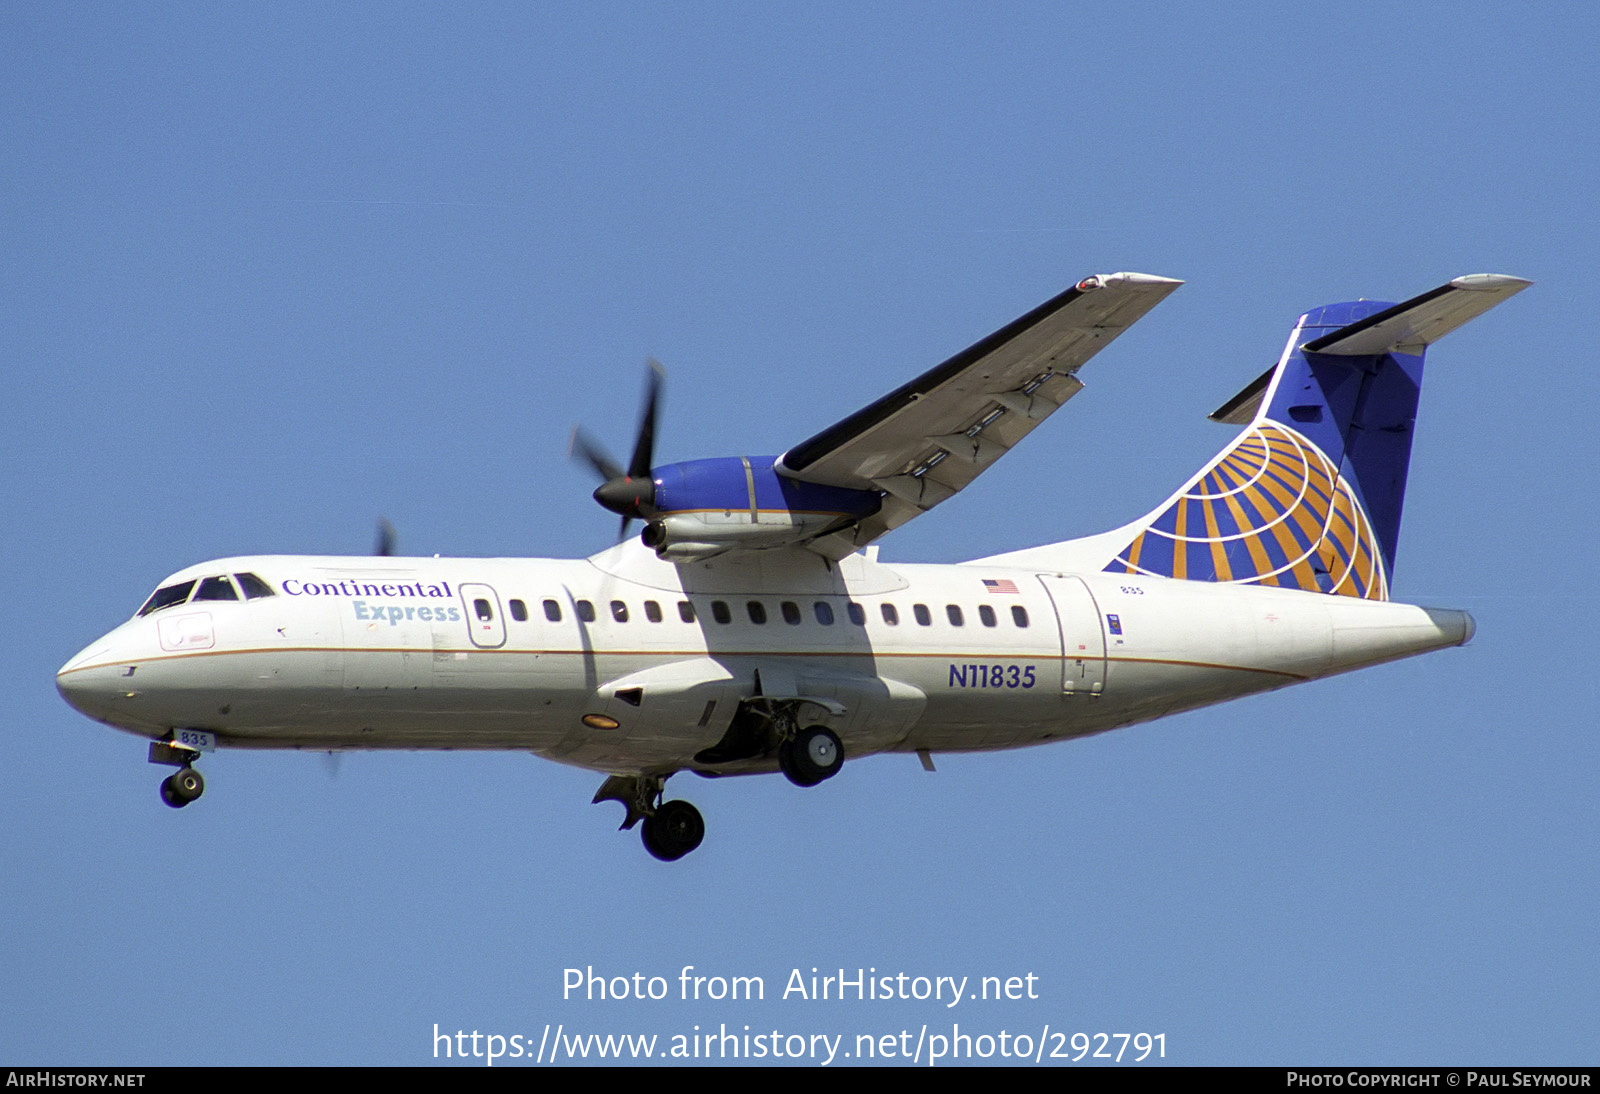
[751,627]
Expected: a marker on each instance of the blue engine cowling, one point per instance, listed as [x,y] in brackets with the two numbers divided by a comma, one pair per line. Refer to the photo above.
[707,507]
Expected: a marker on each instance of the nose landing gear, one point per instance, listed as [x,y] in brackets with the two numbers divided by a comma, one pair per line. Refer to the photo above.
[183,786]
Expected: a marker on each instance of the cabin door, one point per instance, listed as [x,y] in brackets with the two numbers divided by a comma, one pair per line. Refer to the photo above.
[486,623]
[1083,637]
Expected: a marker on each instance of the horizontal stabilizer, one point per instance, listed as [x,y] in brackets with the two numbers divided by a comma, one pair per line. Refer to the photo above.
[1404,328]
[1422,320]
[1310,495]
[1241,409]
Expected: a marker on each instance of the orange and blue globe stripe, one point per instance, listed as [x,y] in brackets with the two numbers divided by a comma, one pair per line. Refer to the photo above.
[1271,510]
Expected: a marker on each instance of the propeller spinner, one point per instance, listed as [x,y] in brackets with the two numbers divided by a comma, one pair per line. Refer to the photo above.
[632,492]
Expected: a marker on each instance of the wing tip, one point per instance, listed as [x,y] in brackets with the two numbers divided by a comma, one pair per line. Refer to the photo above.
[1487,282]
[1130,279]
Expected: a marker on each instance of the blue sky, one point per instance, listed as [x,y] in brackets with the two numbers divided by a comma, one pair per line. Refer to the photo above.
[269,275]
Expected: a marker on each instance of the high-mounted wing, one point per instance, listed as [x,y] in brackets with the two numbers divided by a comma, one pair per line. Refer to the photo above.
[923,442]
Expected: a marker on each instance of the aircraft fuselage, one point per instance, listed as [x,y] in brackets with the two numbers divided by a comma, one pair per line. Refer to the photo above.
[515,654]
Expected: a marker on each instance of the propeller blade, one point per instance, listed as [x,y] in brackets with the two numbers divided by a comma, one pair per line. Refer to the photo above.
[580,447]
[644,448]
[384,547]
[630,493]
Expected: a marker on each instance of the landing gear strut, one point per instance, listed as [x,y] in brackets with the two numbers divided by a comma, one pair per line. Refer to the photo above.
[185,785]
[671,828]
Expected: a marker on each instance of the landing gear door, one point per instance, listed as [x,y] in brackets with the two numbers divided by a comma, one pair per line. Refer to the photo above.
[486,624]
[1083,637]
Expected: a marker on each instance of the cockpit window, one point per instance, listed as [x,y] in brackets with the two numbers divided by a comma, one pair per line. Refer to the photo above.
[253,586]
[168,596]
[216,588]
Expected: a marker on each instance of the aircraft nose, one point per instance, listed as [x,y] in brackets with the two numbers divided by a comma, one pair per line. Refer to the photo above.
[82,693]
[88,683]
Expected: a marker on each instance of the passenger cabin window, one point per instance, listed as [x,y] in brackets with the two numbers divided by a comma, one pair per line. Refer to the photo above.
[519,611]
[485,613]
[216,588]
[858,614]
[953,613]
[720,612]
[652,611]
[891,616]
[586,611]
[791,612]
[619,611]
[1019,615]
[757,610]
[252,586]
[686,611]
[924,617]
[986,614]
[824,613]
[167,597]
[552,611]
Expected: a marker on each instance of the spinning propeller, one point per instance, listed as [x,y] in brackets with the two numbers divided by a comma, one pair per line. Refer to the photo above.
[632,492]
[384,546]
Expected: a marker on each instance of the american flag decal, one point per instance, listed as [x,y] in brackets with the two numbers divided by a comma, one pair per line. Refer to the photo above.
[1001,586]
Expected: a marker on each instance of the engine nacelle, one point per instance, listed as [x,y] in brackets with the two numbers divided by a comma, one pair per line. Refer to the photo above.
[696,536]
[704,508]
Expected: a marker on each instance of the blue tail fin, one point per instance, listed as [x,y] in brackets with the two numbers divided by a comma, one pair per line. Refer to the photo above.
[1309,495]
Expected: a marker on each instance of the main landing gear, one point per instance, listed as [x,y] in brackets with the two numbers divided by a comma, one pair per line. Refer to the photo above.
[811,755]
[764,725]
[671,828]
[183,786]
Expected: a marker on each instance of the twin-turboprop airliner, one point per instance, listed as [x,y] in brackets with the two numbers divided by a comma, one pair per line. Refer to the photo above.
[751,628]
